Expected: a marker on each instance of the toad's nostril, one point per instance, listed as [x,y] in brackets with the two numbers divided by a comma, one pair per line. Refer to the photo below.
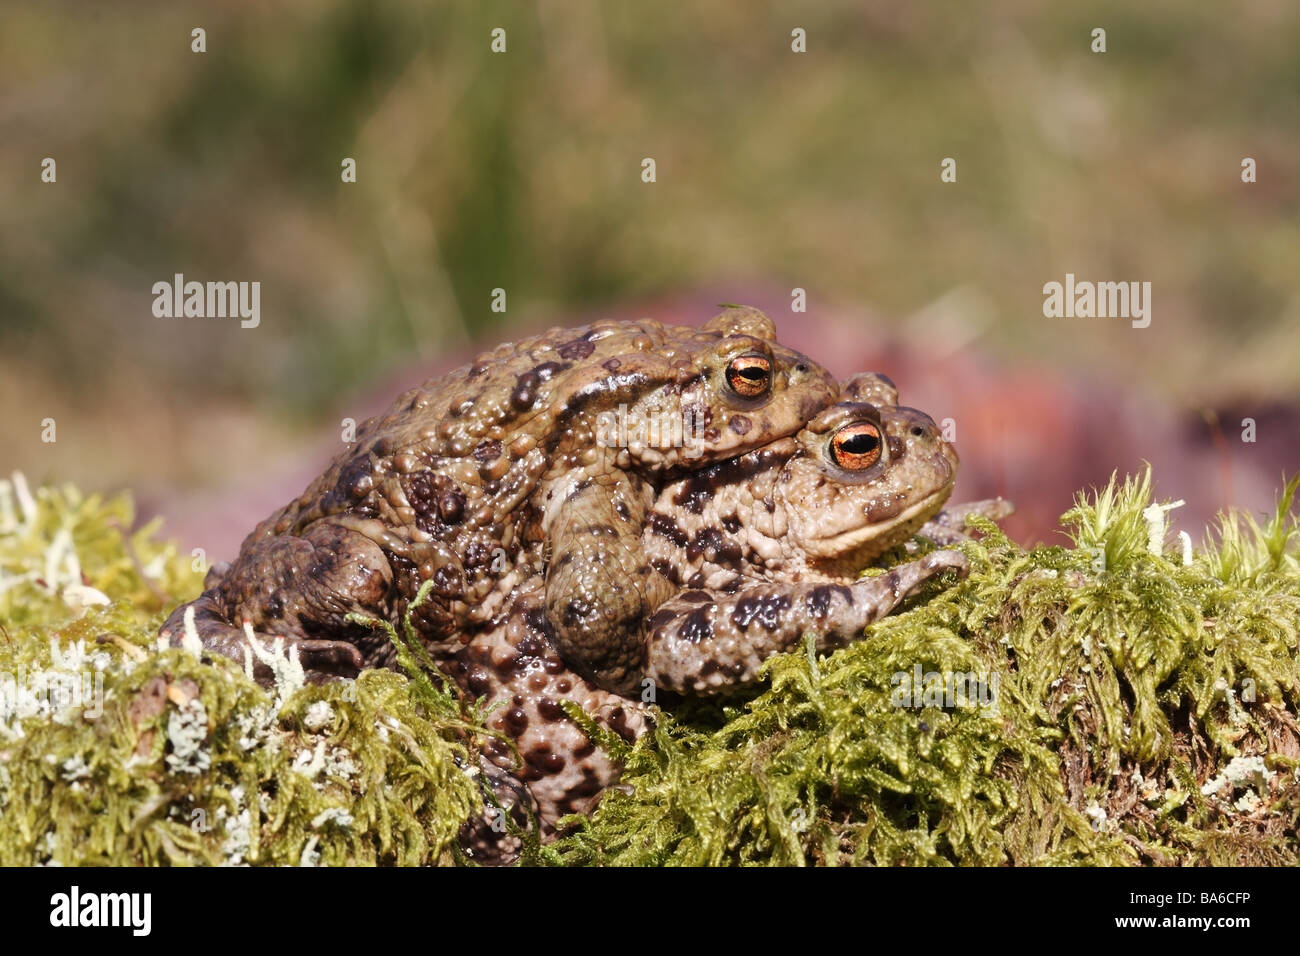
[918,431]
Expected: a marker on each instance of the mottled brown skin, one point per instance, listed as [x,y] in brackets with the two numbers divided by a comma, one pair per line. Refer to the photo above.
[462,478]
[757,550]
[517,669]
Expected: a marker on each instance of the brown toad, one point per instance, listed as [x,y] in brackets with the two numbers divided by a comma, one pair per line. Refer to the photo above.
[759,550]
[472,478]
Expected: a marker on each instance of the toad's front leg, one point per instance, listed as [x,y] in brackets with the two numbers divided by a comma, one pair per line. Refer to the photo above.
[702,642]
[599,587]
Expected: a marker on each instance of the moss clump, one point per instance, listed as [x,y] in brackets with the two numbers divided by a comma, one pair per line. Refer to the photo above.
[1127,708]
[113,751]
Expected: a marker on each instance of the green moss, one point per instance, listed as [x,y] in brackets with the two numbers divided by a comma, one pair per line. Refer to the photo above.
[1141,711]
[115,752]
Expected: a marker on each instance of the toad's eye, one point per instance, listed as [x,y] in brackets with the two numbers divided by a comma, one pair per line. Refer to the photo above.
[856,447]
[750,376]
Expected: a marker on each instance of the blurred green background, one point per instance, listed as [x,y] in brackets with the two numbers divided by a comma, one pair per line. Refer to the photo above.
[522,170]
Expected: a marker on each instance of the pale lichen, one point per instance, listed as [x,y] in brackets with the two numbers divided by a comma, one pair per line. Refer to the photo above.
[187,733]
[116,750]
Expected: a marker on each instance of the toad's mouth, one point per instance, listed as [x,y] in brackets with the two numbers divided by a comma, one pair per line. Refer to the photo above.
[850,551]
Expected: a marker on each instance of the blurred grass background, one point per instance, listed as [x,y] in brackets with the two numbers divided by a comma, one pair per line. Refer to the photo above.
[522,171]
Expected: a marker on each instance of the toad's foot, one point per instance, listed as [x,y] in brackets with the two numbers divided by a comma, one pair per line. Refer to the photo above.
[322,660]
[302,590]
[493,838]
[948,527]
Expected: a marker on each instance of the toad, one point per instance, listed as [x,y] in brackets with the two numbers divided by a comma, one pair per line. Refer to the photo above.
[471,479]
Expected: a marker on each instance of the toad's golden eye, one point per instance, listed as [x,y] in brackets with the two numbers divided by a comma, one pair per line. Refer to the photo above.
[856,447]
[750,376]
